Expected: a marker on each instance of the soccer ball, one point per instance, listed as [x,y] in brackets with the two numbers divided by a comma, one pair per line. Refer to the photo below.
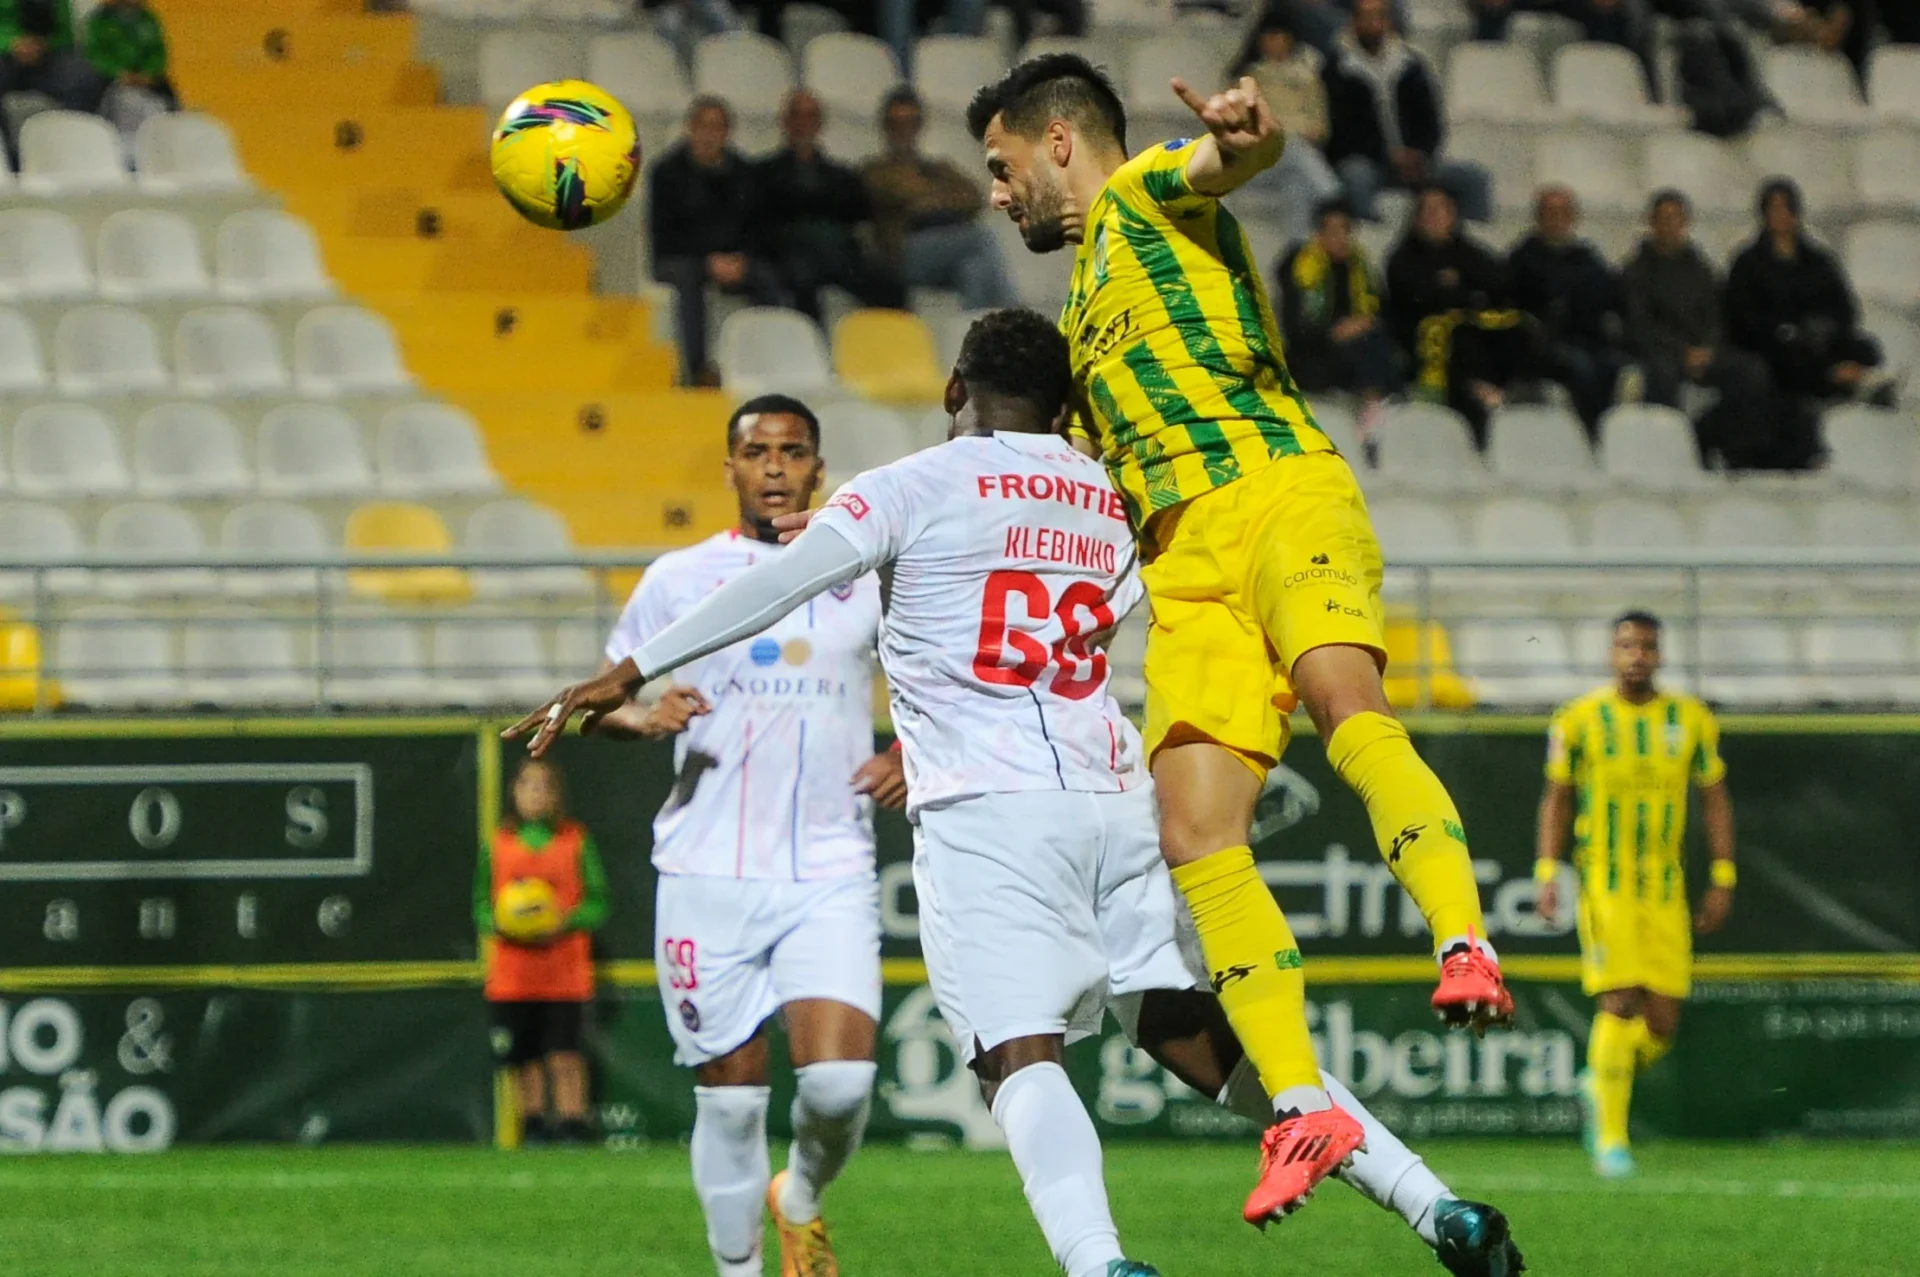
[565,155]
[526,910]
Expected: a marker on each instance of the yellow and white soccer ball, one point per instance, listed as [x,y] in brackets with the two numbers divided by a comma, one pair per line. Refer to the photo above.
[565,155]
[526,910]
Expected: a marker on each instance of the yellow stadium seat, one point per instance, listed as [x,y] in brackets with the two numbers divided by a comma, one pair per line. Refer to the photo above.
[889,356]
[401,527]
[20,686]
[1445,688]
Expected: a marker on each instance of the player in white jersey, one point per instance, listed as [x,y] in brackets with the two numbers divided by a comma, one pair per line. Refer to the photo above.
[1044,901]
[767,898]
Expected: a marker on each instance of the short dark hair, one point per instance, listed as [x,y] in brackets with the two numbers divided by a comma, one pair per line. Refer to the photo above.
[1669,195]
[706,102]
[1638,616]
[1328,207]
[785,404]
[1062,86]
[1018,354]
[510,813]
[1779,186]
[900,95]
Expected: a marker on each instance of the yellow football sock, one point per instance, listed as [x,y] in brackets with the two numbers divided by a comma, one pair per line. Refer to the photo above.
[1648,1048]
[1610,1056]
[1414,821]
[1254,964]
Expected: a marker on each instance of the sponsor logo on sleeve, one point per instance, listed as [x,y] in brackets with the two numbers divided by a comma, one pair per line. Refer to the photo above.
[852,502]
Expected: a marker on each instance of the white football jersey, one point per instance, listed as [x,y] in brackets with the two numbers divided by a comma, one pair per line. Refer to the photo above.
[764,783]
[1010,553]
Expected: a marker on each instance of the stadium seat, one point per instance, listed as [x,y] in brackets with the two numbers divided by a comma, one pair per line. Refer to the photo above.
[640,69]
[42,256]
[1893,83]
[1602,169]
[1526,525]
[106,350]
[751,71]
[1429,447]
[1634,523]
[1850,523]
[1872,448]
[1886,168]
[232,657]
[312,450]
[1713,174]
[492,662]
[950,331]
[1337,422]
[1604,83]
[113,657]
[1517,662]
[1408,526]
[1862,662]
[1506,152]
[1651,447]
[149,254]
[188,450]
[579,644]
[1495,80]
[70,153]
[801,23]
[764,349]
[855,437]
[23,369]
[889,356]
[269,532]
[1151,64]
[1899,340]
[369,660]
[67,450]
[43,534]
[517,529]
[1813,86]
[1750,662]
[1883,263]
[515,59]
[262,255]
[344,350]
[151,531]
[400,527]
[1515,527]
[1817,161]
[850,73]
[186,153]
[1420,668]
[429,448]
[1541,450]
[1739,522]
[949,69]
[227,351]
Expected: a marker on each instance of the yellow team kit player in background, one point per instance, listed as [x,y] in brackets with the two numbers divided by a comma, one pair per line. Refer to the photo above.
[1620,761]
[1260,561]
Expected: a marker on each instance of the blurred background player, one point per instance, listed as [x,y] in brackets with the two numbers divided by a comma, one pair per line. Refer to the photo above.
[1622,757]
[1259,557]
[768,900]
[540,990]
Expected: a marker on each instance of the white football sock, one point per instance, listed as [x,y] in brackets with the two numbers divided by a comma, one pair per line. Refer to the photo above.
[1058,1154]
[829,1115]
[731,1171]
[1390,1174]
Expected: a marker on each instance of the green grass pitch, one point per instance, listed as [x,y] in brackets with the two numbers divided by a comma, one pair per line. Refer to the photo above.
[1776,1210]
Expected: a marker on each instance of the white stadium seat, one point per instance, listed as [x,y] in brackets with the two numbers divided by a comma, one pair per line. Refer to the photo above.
[113,657]
[1338,423]
[186,153]
[42,256]
[640,69]
[1899,340]
[1524,524]
[42,534]
[1886,168]
[1406,525]
[1872,448]
[228,350]
[751,71]
[1541,449]
[1818,161]
[1602,169]
[374,661]
[855,437]
[188,450]
[1866,662]
[850,73]
[1506,152]
[491,662]
[1426,446]
[1517,662]
[517,529]
[149,254]
[312,450]
[1625,524]
[429,448]
[514,60]
[23,369]
[1750,662]
[106,350]
[1604,83]
[151,531]
[949,69]
[67,450]
[235,658]
[1713,174]
[1813,86]
[1495,80]
[1883,262]
[1740,522]
[345,350]
[70,153]
[268,532]
[1849,523]
[261,254]
[765,348]
[1151,65]
[1648,446]
[1893,83]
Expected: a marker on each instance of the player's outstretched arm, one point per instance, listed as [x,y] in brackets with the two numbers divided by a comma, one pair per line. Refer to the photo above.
[1242,136]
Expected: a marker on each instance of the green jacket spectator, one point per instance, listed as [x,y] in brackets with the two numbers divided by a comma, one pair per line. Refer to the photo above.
[124,39]
[37,55]
[49,21]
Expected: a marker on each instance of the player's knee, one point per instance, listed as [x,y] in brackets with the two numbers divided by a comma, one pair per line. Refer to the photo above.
[732,1113]
[835,1089]
[1624,1003]
[1663,1017]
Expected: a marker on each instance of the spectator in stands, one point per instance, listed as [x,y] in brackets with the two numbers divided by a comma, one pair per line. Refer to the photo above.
[127,46]
[1387,123]
[1626,23]
[1331,315]
[682,23]
[39,57]
[701,207]
[926,214]
[1674,328]
[1289,75]
[1561,280]
[811,212]
[1452,313]
[1788,301]
[1834,26]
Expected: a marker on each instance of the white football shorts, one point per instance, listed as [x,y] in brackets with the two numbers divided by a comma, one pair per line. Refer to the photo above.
[1039,909]
[729,952]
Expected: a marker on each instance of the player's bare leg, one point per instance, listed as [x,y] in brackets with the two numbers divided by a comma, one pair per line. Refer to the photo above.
[567,1071]
[833,1052]
[1632,1029]
[1414,821]
[530,1092]
[729,1147]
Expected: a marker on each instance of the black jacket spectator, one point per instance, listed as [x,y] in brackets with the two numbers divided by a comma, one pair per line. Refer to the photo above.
[1673,305]
[1355,116]
[1564,283]
[1798,313]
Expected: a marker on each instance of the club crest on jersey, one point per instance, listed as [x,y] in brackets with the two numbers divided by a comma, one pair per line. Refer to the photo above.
[842,592]
[1673,738]
[1100,255]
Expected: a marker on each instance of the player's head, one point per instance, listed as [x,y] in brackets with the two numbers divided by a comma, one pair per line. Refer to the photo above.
[1014,373]
[1047,118]
[539,795]
[773,460]
[1636,650]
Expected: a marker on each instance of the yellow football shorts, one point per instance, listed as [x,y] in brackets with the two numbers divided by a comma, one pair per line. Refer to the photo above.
[1242,581]
[1627,942]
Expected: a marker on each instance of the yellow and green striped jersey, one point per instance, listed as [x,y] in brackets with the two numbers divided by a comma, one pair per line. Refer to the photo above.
[1175,348]
[1630,766]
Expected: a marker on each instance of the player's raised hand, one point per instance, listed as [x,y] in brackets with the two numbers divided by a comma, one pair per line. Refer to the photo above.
[792,525]
[1241,123]
[885,777]
[592,700]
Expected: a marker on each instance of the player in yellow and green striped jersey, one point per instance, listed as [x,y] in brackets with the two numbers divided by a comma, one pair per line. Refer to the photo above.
[1620,763]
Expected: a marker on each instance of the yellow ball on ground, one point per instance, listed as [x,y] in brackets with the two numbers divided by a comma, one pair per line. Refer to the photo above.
[526,910]
[565,155]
